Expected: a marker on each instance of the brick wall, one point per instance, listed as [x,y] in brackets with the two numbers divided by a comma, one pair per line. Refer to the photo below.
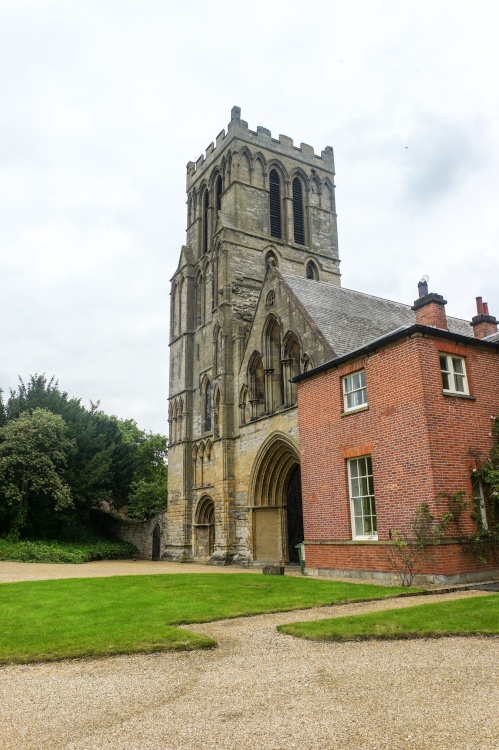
[422,443]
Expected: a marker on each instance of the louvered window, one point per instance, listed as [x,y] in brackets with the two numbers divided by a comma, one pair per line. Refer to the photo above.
[299,230]
[205,222]
[218,190]
[275,204]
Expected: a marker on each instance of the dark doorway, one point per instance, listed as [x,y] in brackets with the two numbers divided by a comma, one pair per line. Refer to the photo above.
[294,515]
[156,542]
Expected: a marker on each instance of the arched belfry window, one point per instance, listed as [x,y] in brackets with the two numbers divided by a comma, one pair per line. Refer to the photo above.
[218,192]
[312,272]
[298,225]
[205,221]
[207,407]
[275,203]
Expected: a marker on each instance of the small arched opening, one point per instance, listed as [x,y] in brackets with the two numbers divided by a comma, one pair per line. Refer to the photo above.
[205,528]
[156,542]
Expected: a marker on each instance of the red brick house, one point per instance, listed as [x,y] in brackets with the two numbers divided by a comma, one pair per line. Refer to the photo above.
[394,422]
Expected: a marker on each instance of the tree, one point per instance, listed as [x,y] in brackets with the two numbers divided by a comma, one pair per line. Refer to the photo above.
[149,485]
[33,455]
[3,417]
[98,470]
[112,462]
[407,549]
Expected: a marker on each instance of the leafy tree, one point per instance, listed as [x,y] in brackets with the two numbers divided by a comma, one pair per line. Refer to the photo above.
[3,417]
[149,485]
[33,453]
[112,463]
[97,470]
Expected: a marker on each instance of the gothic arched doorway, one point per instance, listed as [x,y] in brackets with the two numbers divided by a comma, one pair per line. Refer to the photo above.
[156,542]
[205,528]
[275,501]
[294,514]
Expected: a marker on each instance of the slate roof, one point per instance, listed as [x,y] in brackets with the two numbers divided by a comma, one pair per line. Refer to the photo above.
[349,320]
[493,337]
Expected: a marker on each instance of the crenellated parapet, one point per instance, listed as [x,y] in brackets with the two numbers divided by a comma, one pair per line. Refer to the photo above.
[282,146]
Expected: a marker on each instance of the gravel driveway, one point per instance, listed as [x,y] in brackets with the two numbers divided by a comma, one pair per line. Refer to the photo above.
[260,689]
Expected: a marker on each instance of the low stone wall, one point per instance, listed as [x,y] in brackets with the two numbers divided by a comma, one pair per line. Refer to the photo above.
[140,533]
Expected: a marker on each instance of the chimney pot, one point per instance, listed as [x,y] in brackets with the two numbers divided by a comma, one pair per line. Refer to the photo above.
[485,308]
[422,288]
[479,305]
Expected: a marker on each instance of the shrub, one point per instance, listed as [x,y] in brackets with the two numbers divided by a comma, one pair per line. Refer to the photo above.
[57,552]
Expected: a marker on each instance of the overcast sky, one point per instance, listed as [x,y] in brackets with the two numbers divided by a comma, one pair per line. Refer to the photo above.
[102,104]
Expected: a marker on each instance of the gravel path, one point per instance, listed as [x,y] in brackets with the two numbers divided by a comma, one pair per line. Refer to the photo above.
[18,571]
[259,689]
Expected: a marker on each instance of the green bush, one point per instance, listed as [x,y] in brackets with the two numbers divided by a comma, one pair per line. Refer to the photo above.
[57,552]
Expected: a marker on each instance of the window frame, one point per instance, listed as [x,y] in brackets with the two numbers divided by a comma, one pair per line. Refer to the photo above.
[370,497]
[451,374]
[275,208]
[479,500]
[346,394]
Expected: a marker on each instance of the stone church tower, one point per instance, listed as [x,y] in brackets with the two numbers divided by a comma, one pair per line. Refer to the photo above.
[261,237]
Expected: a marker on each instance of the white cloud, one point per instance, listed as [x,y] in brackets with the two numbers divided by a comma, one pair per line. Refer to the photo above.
[104,103]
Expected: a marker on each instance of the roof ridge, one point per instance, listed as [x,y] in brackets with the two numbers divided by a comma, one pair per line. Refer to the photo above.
[362,294]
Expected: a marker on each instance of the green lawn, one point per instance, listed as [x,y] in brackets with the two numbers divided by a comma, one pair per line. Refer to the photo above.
[49,620]
[476,616]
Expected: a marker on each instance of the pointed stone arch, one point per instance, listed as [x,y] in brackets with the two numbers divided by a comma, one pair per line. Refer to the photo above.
[217,413]
[259,171]
[272,256]
[204,527]
[315,191]
[256,381]
[244,406]
[271,346]
[327,195]
[206,404]
[275,473]
[173,310]
[292,349]
[311,270]
[299,190]
[199,299]
[244,165]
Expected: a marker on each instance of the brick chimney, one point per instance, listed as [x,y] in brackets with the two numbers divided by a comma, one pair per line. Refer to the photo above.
[430,308]
[483,323]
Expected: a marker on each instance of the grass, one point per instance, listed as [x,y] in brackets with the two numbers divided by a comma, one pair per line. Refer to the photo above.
[92,617]
[474,616]
[65,552]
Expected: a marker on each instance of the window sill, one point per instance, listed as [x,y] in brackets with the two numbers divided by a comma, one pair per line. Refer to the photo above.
[365,538]
[459,395]
[365,407]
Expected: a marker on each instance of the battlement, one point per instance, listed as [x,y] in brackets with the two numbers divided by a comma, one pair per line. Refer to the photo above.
[261,138]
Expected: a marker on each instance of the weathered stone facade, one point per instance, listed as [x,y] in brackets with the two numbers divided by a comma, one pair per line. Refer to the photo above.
[261,211]
[149,536]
